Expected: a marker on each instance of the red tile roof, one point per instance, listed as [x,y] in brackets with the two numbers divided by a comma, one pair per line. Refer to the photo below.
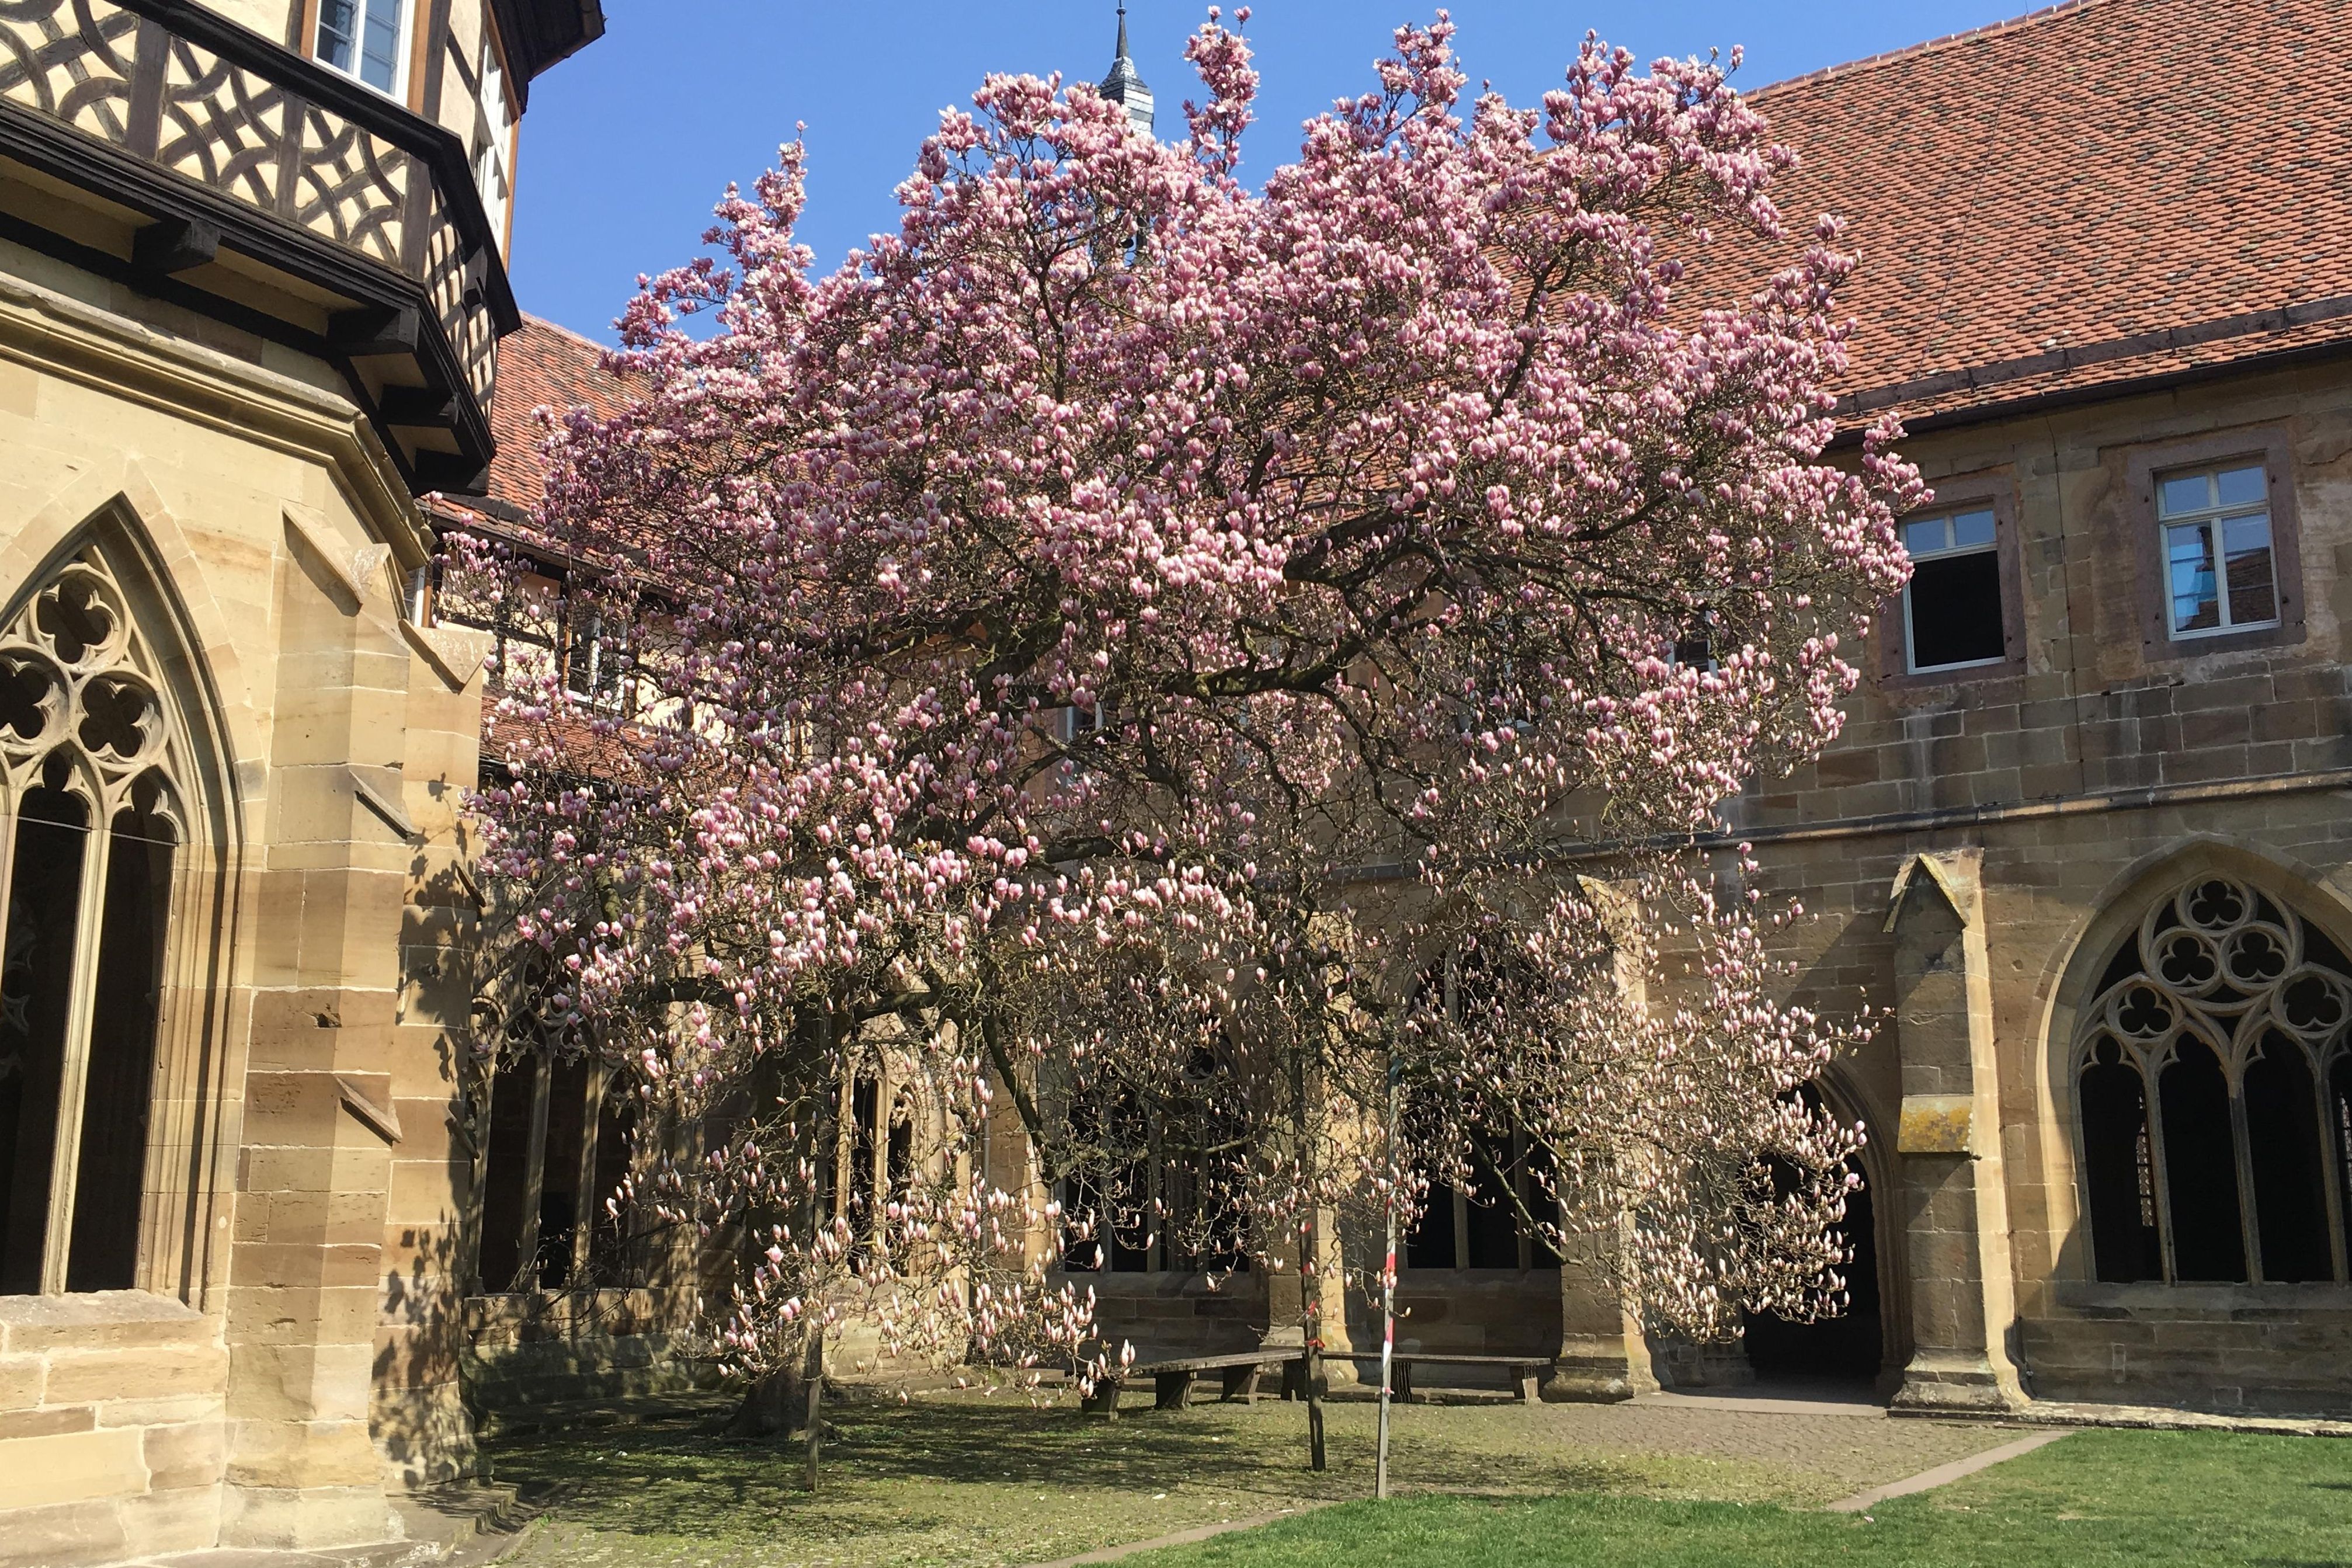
[542,365]
[2099,192]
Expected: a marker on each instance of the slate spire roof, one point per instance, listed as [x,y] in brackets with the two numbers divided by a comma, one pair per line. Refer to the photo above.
[1124,85]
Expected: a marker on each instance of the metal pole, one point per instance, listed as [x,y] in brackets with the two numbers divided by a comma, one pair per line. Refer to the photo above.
[1388,1297]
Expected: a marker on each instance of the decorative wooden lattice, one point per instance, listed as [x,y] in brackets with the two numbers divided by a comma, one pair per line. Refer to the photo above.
[228,125]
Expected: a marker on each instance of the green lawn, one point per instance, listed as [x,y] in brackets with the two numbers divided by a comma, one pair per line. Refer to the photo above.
[966,1481]
[2146,1499]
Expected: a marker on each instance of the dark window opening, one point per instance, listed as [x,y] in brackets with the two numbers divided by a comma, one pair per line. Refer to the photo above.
[610,1254]
[36,996]
[2340,1119]
[1494,1231]
[505,1178]
[2200,1168]
[1430,1244]
[111,1175]
[558,1181]
[1955,611]
[2290,1165]
[2124,1243]
[864,1112]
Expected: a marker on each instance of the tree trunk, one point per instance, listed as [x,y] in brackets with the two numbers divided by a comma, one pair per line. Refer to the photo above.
[813,1378]
[1311,1331]
[770,1409]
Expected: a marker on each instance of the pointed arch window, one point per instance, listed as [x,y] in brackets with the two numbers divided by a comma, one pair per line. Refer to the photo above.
[94,769]
[2213,1076]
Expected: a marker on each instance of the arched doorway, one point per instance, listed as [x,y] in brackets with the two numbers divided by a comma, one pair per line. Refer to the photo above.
[1850,1350]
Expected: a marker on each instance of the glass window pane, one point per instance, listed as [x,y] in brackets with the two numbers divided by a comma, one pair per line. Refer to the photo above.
[2246,556]
[2187,492]
[1922,537]
[338,25]
[2189,566]
[2241,487]
[380,50]
[1971,530]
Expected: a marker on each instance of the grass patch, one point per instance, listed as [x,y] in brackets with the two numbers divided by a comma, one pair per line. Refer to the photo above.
[972,1480]
[2150,1500]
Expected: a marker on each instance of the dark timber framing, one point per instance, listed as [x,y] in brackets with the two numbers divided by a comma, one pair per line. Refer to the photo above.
[402,313]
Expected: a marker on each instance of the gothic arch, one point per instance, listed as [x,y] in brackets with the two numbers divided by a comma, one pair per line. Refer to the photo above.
[2199,1056]
[118,831]
[1846,1100]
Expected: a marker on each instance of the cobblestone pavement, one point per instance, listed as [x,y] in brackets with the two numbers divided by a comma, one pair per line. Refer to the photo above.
[1824,1452]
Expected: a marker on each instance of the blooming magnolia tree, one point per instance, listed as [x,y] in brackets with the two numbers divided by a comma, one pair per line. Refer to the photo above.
[1171,662]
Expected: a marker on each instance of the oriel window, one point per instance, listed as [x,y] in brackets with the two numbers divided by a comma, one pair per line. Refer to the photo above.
[1952,613]
[2219,572]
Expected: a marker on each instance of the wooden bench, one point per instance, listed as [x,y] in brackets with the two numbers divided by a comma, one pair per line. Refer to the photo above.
[1523,1371]
[1172,1379]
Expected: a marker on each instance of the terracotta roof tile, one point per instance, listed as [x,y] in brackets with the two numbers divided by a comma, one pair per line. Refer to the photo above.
[2092,182]
[542,365]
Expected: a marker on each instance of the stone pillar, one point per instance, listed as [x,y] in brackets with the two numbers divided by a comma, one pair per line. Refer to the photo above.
[1286,1303]
[1954,1194]
[314,1176]
[418,1417]
[1604,1354]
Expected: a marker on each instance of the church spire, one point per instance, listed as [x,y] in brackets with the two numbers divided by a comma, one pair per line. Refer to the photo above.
[1124,87]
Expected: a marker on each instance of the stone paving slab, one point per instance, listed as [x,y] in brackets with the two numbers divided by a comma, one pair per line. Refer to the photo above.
[1945,1475]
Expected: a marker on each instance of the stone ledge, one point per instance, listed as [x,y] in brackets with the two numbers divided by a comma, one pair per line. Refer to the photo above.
[100,1320]
[2144,1417]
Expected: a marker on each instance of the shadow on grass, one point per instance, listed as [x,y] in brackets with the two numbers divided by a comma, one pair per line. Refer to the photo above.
[883,1468]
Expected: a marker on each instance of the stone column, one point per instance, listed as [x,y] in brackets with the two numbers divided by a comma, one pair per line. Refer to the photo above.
[1954,1194]
[417,1416]
[1604,1354]
[314,1176]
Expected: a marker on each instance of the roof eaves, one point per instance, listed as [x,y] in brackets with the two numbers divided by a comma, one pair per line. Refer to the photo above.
[1980,378]
[2168,375]
[1967,34]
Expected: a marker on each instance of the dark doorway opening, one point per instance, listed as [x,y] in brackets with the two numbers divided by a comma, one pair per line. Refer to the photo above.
[1848,1349]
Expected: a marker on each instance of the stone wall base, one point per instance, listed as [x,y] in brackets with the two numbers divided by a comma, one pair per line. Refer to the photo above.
[1955,1382]
[307,1518]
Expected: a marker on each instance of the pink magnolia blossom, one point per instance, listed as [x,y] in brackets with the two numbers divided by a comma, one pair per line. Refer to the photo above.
[1100,651]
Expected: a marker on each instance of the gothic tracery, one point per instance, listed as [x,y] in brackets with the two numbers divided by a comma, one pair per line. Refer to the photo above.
[2216,1094]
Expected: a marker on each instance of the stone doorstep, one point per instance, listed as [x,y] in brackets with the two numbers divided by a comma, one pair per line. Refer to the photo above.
[2144,1417]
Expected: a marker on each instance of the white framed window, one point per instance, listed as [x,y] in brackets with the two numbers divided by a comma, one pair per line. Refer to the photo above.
[1953,617]
[2220,571]
[367,39]
[494,122]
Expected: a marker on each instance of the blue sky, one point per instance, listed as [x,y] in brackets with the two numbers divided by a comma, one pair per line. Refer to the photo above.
[627,145]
